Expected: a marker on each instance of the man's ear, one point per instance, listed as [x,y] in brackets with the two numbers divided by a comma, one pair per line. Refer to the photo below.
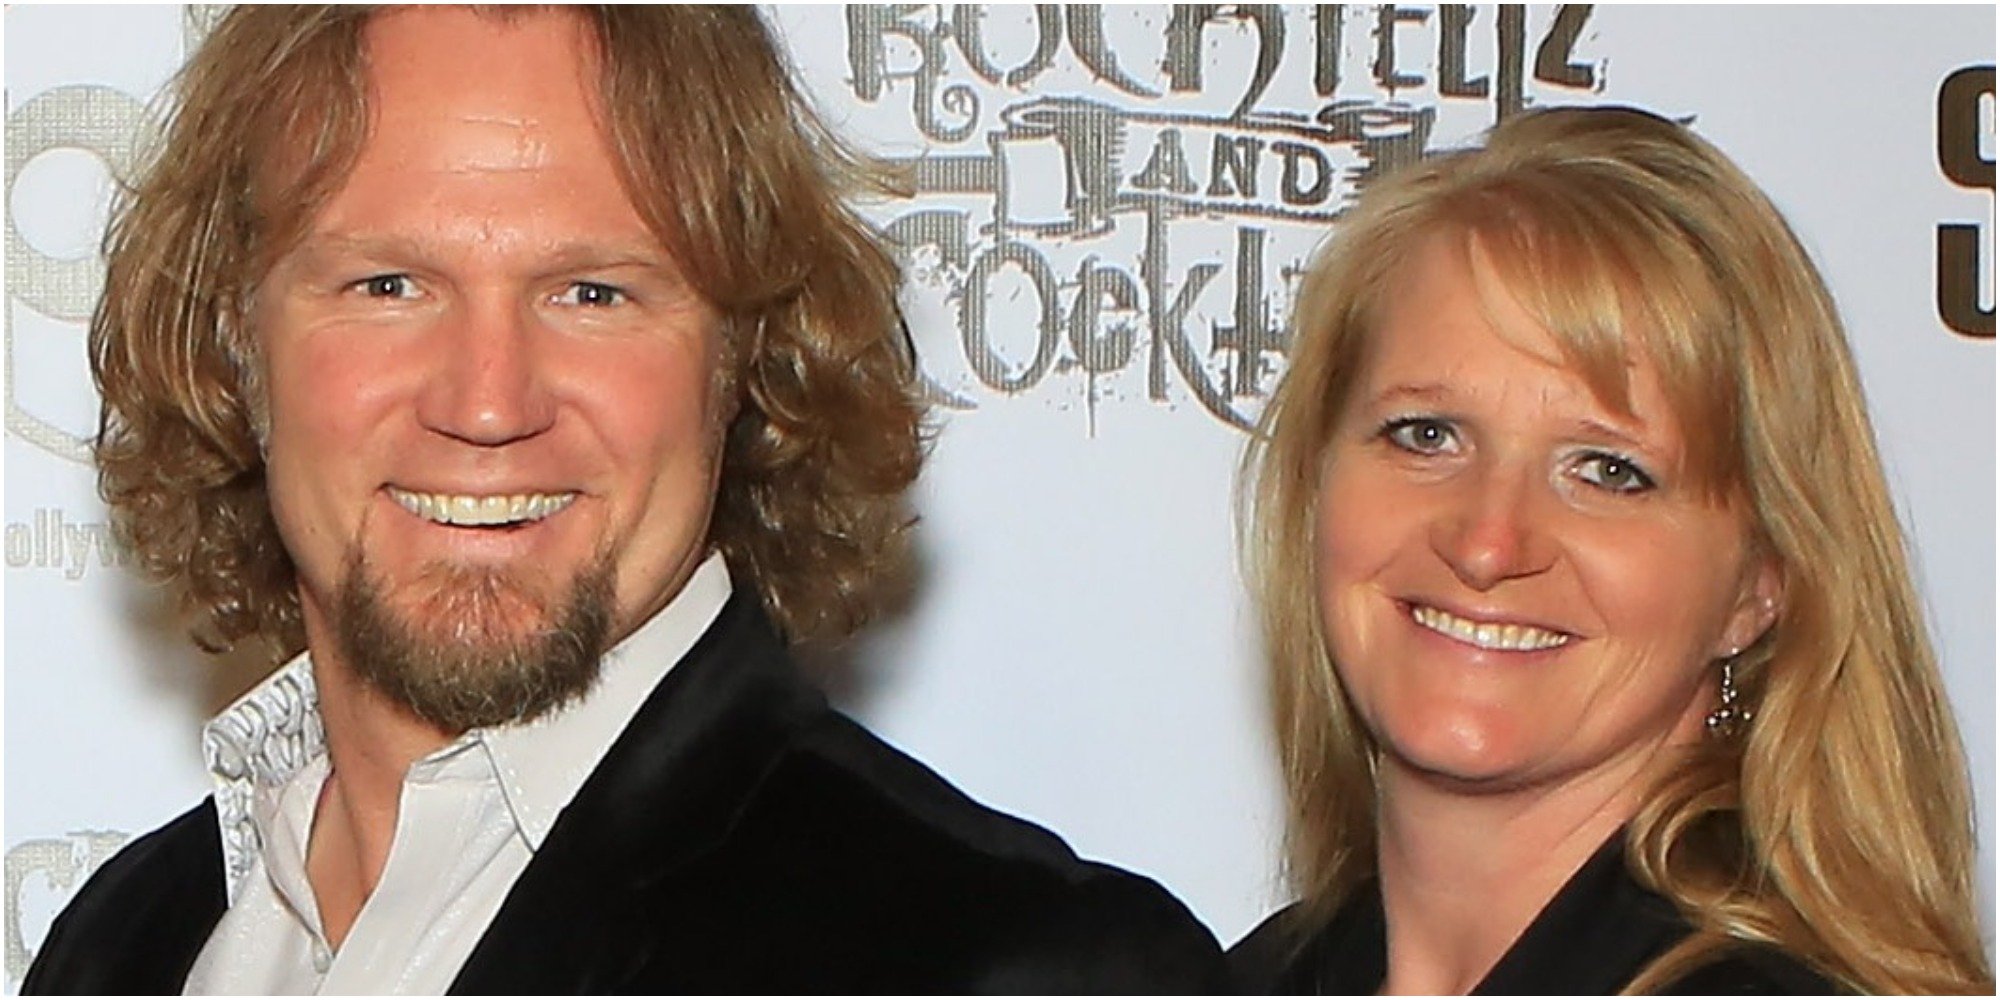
[236,339]
[1758,602]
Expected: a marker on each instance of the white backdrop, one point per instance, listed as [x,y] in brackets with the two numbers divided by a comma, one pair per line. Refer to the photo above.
[1114,205]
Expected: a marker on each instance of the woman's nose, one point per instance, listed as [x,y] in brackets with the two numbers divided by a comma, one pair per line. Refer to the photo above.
[1496,529]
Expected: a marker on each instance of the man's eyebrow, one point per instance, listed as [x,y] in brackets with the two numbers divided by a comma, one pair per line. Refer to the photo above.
[343,244]
[619,253]
[563,256]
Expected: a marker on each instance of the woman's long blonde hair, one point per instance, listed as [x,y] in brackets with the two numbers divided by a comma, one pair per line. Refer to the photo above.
[1837,825]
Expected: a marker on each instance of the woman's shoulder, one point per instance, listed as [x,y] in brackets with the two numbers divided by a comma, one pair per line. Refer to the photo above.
[1758,970]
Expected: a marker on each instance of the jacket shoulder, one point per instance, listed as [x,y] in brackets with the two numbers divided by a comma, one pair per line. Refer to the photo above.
[140,920]
[998,903]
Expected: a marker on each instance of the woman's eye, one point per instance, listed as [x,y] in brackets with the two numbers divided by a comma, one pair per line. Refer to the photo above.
[1614,472]
[591,293]
[1421,435]
[387,286]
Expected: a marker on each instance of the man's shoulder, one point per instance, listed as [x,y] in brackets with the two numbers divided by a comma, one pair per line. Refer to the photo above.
[153,904]
[873,833]
[837,761]
[743,836]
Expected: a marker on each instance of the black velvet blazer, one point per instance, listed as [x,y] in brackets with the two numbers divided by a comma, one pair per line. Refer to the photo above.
[740,836]
[1601,928]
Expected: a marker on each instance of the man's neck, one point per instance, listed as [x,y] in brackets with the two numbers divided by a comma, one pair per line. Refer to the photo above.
[370,744]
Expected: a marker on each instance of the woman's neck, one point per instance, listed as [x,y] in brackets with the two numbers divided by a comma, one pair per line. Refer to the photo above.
[1463,874]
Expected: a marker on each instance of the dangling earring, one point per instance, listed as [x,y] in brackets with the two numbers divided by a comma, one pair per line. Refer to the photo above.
[1729,719]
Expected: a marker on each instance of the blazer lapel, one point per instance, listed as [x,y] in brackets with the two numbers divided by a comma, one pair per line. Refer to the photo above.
[665,794]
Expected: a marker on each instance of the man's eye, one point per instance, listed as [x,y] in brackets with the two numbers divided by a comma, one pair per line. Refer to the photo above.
[591,293]
[1421,435]
[387,286]
[1613,472]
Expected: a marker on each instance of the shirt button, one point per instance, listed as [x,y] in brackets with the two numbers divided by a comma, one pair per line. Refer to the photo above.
[322,958]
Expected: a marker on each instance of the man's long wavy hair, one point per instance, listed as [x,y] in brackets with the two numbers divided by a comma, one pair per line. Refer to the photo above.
[724,160]
[1837,825]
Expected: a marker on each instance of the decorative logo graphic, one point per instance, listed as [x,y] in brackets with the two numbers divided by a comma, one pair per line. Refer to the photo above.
[58,541]
[1078,210]
[41,876]
[104,123]
[96,120]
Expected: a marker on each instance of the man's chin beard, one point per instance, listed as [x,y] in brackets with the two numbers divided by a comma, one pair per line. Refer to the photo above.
[471,647]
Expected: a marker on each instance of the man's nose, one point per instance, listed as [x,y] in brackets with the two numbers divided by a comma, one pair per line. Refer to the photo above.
[1497,526]
[489,384]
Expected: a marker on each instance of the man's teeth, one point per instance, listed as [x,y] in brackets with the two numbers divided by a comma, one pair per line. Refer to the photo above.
[1485,635]
[481,511]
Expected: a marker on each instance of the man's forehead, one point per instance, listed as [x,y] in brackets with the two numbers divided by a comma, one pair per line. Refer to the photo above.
[498,142]
[487,64]
[481,129]
[392,29]
[504,87]
[481,51]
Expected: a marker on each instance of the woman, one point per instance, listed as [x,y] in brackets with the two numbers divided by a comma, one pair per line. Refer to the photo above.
[1595,657]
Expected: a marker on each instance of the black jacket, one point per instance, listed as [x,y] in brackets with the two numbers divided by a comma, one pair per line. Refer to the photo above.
[1597,933]
[740,836]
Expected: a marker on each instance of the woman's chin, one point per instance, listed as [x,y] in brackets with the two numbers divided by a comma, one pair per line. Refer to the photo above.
[1470,753]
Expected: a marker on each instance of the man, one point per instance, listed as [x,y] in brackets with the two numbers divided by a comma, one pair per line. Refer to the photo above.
[524,369]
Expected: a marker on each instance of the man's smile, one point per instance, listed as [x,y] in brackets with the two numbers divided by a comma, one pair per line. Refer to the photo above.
[476,510]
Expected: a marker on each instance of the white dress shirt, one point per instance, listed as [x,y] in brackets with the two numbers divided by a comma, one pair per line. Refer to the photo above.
[470,818]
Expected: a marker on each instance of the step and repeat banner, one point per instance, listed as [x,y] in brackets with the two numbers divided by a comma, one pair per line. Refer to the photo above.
[1112,209]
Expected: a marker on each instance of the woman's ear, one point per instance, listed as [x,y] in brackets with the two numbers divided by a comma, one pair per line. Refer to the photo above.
[1757,606]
